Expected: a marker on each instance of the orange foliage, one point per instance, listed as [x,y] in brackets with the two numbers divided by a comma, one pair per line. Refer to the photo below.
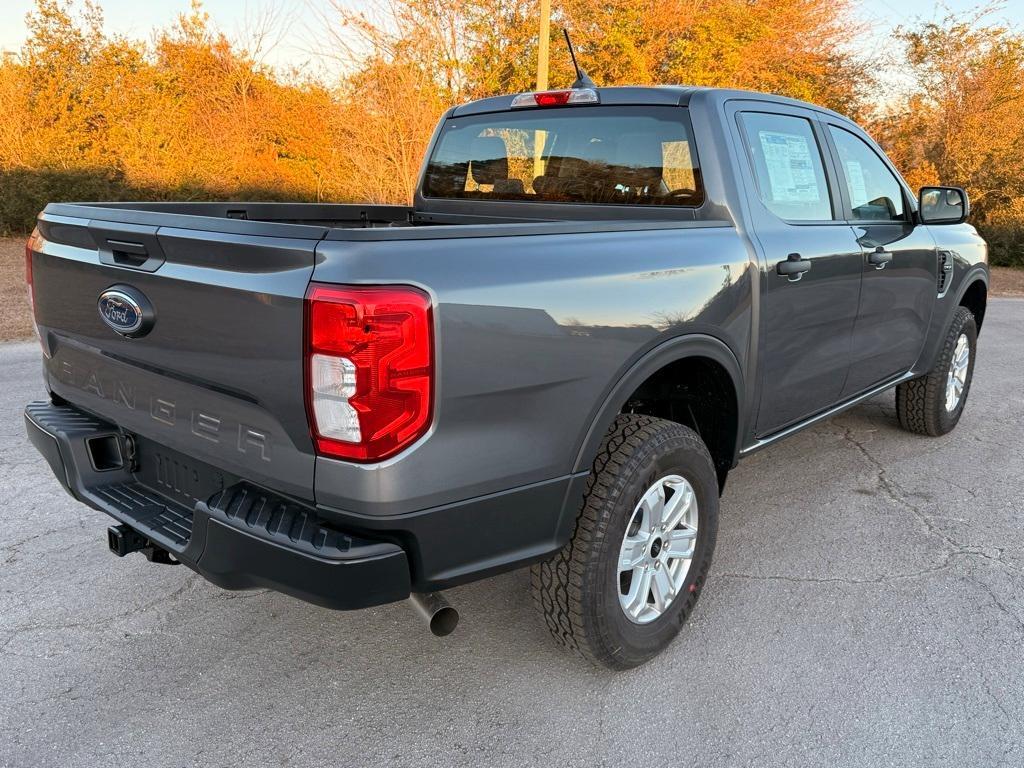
[962,121]
[193,116]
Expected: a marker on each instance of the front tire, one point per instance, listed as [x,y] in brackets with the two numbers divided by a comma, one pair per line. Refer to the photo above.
[933,403]
[619,592]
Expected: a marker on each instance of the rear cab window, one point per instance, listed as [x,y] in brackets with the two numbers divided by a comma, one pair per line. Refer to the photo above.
[788,167]
[599,155]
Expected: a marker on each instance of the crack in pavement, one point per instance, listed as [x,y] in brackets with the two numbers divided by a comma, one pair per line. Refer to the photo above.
[998,604]
[995,443]
[986,686]
[951,484]
[896,493]
[191,580]
[49,532]
[12,552]
[881,579]
[900,496]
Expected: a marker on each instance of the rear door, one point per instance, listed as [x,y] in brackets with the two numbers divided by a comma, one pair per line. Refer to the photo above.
[218,375]
[900,262]
[813,263]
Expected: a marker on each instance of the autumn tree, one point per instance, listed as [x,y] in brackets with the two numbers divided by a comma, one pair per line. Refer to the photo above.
[961,121]
[797,48]
[403,64]
[193,114]
[54,78]
[408,59]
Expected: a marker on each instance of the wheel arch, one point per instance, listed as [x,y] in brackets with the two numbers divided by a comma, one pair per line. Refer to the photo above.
[973,295]
[669,359]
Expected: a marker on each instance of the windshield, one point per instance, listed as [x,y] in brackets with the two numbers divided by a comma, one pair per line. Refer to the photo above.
[603,155]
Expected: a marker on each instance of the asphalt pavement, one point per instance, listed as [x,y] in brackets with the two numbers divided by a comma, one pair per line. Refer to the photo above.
[865,608]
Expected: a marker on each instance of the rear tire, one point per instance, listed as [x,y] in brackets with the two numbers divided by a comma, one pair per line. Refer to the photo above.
[581,591]
[923,405]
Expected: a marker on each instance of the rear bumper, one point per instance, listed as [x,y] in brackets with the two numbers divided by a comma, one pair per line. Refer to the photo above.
[241,537]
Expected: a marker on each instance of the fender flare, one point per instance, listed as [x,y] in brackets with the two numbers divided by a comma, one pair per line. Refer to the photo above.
[678,348]
[974,274]
[945,307]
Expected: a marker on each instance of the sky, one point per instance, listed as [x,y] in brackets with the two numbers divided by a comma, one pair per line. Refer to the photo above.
[138,18]
[884,15]
[305,18]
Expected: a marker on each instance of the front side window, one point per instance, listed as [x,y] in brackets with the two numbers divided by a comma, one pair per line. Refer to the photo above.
[788,168]
[603,155]
[875,193]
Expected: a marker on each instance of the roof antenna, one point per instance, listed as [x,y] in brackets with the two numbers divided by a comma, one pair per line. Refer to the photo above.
[582,81]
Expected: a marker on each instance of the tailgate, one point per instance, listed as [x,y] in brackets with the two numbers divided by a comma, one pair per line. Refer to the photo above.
[217,372]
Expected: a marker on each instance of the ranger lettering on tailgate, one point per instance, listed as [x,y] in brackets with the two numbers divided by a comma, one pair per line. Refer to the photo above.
[246,439]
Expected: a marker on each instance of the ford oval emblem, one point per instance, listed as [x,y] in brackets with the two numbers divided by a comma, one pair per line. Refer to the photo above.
[126,311]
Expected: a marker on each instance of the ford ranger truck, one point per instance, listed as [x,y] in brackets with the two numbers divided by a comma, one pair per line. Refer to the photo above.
[599,300]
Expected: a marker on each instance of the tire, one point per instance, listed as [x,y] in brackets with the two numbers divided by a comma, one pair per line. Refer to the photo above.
[578,591]
[921,403]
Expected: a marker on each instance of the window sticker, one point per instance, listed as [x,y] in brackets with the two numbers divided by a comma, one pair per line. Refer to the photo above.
[790,168]
[858,187]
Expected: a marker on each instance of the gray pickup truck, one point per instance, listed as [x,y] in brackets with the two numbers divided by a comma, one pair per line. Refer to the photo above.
[599,301]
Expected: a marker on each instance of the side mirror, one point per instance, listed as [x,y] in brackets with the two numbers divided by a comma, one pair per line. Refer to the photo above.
[943,205]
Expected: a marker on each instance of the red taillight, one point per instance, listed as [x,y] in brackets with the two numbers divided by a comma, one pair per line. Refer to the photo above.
[556,98]
[369,369]
[551,98]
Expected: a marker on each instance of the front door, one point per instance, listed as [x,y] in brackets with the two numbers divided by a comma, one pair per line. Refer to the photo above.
[900,263]
[812,263]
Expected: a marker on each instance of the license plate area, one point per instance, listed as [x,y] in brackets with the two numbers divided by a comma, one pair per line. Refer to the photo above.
[178,477]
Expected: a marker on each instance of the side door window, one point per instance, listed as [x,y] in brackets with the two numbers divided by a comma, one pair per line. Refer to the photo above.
[788,166]
[875,192]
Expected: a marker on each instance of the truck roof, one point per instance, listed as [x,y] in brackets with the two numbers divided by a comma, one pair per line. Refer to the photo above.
[664,95]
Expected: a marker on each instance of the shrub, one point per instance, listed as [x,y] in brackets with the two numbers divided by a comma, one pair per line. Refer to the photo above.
[25,192]
[1004,231]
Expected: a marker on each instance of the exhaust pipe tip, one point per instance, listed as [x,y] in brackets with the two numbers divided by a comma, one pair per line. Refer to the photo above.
[444,621]
[440,616]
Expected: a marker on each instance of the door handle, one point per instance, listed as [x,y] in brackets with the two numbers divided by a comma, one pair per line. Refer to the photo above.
[793,267]
[879,257]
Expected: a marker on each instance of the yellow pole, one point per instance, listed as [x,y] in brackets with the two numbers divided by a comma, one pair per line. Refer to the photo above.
[543,44]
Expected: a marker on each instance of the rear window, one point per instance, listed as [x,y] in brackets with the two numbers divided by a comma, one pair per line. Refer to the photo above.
[602,155]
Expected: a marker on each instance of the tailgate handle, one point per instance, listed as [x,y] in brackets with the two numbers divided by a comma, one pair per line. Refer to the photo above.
[128,254]
[130,246]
